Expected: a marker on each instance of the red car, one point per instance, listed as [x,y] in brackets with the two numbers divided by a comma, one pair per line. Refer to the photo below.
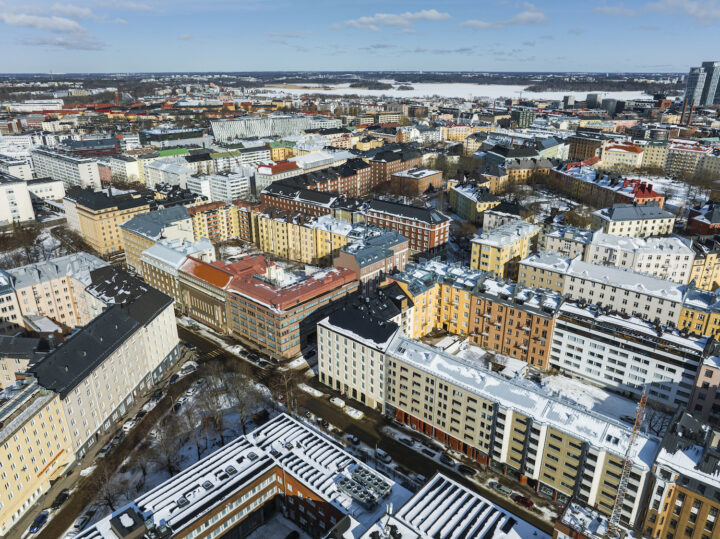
[522,500]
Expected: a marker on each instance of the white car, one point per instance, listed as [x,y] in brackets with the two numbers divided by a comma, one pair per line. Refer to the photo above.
[149,405]
[191,391]
[129,424]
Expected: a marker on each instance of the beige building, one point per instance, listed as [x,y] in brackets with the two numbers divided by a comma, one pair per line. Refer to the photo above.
[161,261]
[499,250]
[634,220]
[35,449]
[55,288]
[10,316]
[143,230]
[98,216]
[685,158]
[654,155]
[16,353]
[621,156]
[569,241]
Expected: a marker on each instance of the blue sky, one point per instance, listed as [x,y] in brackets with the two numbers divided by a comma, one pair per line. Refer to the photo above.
[251,35]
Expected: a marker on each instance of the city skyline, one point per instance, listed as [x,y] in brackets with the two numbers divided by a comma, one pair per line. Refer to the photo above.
[156,36]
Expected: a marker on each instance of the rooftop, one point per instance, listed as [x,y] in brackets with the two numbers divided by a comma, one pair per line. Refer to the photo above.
[427,215]
[152,224]
[507,234]
[633,212]
[76,265]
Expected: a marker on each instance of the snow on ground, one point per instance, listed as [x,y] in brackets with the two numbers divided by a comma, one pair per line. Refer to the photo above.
[211,335]
[87,471]
[311,390]
[297,363]
[455,89]
[352,412]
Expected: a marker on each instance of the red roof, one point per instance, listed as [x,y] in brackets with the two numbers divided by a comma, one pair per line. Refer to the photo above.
[208,273]
[205,207]
[267,294]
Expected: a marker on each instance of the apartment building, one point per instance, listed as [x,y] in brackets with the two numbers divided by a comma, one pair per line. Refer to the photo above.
[101,369]
[15,202]
[125,168]
[278,310]
[505,317]
[415,181]
[216,221]
[665,258]
[685,493]
[74,171]
[42,189]
[145,229]
[634,220]
[37,449]
[654,154]
[621,156]
[705,272]
[583,146]
[55,289]
[470,201]
[426,229]
[684,158]
[10,316]
[622,290]
[627,354]
[170,171]
[705,399]
[499,250]
[568,241]
[505,212]
[312,202]
[160,263]
[386,163]
[97,217]
[276,125]
[19,168]
[16,353]
[374,255]
[561,449]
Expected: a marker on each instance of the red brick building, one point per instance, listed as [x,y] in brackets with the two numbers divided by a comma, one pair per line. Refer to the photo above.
[426,229]
[415,181]
[387,163]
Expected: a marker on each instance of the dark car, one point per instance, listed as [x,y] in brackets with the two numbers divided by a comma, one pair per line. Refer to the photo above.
[39,522]
[253,357]
[60,499]
[522,500]
[157,395]
[466,470]
[293,535]
[140,414]
[263,364]
[324,423]
[447,460]
[174,378]
[176,407]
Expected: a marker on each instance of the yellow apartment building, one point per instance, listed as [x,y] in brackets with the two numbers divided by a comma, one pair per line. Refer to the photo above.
[35,449]
[499,250]
[700,313]
[216,221]
[705,270]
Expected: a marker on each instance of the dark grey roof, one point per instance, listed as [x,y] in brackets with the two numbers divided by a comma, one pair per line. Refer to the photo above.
[100,200]
[116,286]
[427,215]
[152,224]
[22,347]
[363,324]
[66,367]
[633,212]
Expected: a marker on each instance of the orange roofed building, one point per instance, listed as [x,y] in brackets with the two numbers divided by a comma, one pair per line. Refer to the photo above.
[279,310]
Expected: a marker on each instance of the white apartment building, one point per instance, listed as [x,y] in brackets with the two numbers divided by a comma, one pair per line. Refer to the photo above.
[125,168]
[71,170]
[351,360]
[15,203]
[569,241]
[664,258]
[276,125]
[622,290]
[634,220]
[169,171]
[226,188]
[46,189]
[200,185]
[626,354]
[13,166]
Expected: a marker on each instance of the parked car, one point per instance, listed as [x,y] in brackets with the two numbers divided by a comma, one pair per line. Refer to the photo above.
[502,489]
[466,470]
[128,425]
[118,438]
[105,450]
[522,500]
[84,519]
[157,395]
[407,440]
[448,461]
[263,364]
[324,423]
[191,391]
[39,522]
[307,414]
[174,378]
[149,405]
[140,415]
[382,456]
[60,499]
[353,439]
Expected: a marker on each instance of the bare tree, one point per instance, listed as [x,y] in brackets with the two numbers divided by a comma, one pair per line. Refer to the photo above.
[111,491]
[242,392]
[141,460]
[212,399]
[284,384]
[193,419]
[168,441]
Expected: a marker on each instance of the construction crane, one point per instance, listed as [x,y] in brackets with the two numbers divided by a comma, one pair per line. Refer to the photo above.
[627,468]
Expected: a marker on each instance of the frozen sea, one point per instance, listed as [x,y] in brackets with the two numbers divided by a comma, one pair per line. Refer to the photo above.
[457,90]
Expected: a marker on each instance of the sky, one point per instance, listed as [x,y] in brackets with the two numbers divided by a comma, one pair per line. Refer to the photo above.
[260,35]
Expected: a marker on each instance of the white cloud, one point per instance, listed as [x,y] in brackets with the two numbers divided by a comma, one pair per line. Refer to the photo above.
[51,24]
[399,20]
[185,37]
[576,31]
[706,11]
[84,43]
[122,4]
[619,10]
[120,21]
[528,17]
[73,12]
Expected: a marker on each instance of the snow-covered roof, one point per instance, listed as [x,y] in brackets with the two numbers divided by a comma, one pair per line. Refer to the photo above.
[600,431]
[282,443]
[173,253]
[507,234]
[444,508]
[666,245]
[76,265]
